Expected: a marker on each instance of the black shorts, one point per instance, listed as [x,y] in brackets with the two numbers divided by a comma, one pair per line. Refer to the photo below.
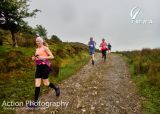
[42,71]
[104,52]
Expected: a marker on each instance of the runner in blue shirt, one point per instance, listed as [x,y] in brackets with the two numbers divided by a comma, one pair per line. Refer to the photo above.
[92,45]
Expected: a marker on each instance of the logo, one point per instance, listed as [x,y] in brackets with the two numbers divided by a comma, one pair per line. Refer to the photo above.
[135,11]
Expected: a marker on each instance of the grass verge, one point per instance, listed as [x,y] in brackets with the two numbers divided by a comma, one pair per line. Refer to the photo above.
[150,94]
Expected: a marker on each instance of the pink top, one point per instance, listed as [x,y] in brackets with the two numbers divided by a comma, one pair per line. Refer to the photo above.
[42,53]
[103,46]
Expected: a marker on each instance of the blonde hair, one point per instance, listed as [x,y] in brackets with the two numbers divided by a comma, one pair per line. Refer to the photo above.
[42,41]
[45,43]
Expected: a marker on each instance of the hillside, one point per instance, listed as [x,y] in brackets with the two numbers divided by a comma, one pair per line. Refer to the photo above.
[17,69]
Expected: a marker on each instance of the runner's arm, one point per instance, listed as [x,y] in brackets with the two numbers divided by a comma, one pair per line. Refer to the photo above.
[88,43]
[100,45]
[94,43]
[50,55]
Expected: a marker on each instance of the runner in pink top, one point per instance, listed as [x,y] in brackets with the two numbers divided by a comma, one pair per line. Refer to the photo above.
[41,58]
[104,48]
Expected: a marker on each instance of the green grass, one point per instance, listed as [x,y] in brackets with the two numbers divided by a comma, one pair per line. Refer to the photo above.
[18,84]
[151,101]
[74,65]
[19,87]
[145,79]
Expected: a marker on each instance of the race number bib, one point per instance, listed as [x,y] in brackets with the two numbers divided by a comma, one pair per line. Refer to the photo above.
[91,45]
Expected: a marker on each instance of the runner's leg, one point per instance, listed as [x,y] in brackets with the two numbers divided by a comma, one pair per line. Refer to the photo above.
[102,54]
[93,58]
[37,88]
[105,52]
[51,85]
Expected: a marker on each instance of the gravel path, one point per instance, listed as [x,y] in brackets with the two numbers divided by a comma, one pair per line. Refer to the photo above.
[105,88]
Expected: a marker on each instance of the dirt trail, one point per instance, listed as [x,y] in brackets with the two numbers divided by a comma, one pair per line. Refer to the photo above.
[105,88]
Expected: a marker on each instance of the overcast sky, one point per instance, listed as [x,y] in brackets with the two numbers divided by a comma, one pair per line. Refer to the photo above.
[77,20]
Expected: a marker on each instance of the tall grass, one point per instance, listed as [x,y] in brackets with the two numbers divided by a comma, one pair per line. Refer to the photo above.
[145,69]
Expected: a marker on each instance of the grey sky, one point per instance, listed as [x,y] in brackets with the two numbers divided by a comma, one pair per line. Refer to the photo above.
[77,20]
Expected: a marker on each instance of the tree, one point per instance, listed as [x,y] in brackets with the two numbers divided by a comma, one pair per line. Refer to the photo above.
[41,31]
[55,38]
[1,41]
[12,13]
